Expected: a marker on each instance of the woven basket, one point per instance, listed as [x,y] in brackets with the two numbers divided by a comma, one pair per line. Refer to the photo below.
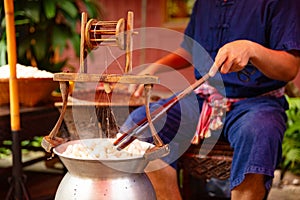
[216,164]
[32,91]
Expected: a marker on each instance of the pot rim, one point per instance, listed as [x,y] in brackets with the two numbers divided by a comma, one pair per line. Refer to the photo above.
[58,150]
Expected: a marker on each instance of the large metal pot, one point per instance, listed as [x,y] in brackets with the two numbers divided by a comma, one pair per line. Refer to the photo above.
[91,179]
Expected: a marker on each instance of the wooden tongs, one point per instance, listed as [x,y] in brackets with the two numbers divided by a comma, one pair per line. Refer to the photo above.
[123,141]
[50,141]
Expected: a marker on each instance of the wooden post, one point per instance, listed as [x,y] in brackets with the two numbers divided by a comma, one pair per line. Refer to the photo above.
[17,188]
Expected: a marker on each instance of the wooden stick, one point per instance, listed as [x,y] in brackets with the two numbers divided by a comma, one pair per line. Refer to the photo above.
[108,78]
[82,56]
[128,67]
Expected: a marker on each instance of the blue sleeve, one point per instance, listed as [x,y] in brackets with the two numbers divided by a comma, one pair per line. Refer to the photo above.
[284,26]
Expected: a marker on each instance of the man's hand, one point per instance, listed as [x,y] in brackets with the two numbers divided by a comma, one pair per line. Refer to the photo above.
[232,57]
[276,64]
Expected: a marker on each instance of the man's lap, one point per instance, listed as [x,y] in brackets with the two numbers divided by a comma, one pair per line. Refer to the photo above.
[254,128]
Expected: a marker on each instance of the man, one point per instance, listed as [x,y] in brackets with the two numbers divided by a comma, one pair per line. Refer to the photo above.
[255,46]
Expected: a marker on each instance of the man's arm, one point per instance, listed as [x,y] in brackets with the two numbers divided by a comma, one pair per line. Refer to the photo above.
[178,59]
[275,64]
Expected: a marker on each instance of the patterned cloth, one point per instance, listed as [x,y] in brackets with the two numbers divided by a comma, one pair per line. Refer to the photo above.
[214,109]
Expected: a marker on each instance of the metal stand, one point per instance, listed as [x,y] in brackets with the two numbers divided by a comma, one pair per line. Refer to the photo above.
[17,188]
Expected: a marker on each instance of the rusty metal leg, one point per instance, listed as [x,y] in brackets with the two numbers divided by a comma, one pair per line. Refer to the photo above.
[17,190]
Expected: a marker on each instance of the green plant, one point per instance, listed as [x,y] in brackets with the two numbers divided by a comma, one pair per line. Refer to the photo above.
[26,145]
[45,28]
[4,151]
[291,141]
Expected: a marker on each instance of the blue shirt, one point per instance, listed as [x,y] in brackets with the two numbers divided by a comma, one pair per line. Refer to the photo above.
[274,24]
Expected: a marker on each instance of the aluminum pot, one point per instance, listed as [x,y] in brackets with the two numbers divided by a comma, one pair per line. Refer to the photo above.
[91,179]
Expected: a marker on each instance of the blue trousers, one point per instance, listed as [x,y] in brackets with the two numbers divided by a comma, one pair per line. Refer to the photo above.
[254,127]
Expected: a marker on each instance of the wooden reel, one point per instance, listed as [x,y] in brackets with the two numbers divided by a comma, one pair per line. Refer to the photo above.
[106,33]
[111,33]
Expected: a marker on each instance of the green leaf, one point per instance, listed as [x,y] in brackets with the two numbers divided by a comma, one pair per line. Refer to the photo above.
[33,11]
[20,14]
[293,128]
[49,8]
[7,142]
[294,102]
[3,50]
[291,141]
[293,155]
[71,23]
[39,45]
[23,46]
[4,152]
[38,138]
[60,38]
[94,8]
[91,10]
[69,7]
[285,163]
[22,22]
[25,142]
[35,144]
[75,40]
